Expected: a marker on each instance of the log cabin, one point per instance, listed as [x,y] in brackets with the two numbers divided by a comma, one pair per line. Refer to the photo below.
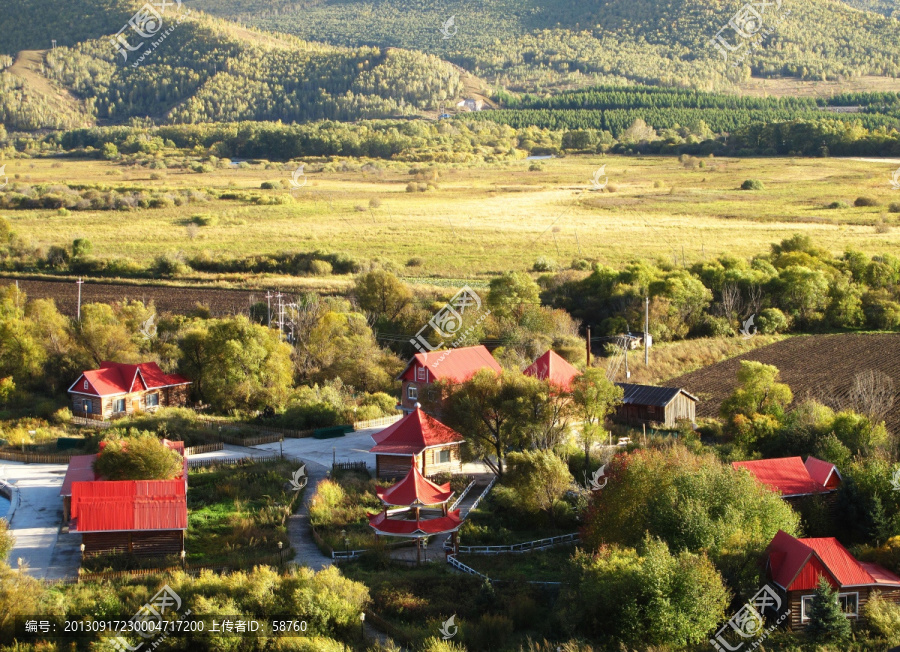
[795,566]
[417,439]
[649,404]
[116,390]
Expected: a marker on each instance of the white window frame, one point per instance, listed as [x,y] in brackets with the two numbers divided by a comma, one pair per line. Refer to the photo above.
[86,384]
[154,395]
[115,406]
[803,600]
[421,373]
[440,459]
[412,393]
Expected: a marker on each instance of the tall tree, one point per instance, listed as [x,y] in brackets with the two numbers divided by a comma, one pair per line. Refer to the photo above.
[382,294]
[827,621]
[594,398]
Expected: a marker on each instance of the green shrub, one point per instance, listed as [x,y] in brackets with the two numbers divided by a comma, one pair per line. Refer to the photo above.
[580,265]
[204,219]
[771,321]
[166,266]
[270,185]
[894,207]
[883,618]
[62,416]
[543,264]
[752,184]
[320,268]
[838,204]
[415,261]
[866,201]
[142,457]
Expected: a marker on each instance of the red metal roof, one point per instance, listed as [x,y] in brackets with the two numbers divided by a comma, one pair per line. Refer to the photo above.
[415,489]
[114,378]
[553,368]
[786,475]
[412,434]
[129,505]
[455,365]
[825,473]
[797,564]
[382,524]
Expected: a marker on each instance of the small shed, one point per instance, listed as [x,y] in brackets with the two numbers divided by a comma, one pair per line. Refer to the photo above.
[645,404]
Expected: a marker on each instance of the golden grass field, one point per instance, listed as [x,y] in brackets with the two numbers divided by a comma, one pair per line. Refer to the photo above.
[479,221]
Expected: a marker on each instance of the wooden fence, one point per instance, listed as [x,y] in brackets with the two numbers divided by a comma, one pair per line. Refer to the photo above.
[95,422]
[203,448]
[36,458]
[380,421]
[234,461]
[250,441]
[349,466]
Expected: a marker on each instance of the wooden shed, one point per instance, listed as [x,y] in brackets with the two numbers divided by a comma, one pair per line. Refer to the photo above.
[646,404]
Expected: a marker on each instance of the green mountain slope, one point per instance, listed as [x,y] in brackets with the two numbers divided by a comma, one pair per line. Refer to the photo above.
[885,7]
[530,43]
[33,24]
[209,70]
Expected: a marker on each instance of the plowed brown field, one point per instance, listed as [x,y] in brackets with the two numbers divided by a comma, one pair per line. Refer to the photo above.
[167,299]
[815,366]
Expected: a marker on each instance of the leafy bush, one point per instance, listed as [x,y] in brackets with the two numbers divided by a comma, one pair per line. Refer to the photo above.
[415,261]
[138,458]
[838,204]
[166,266]
[894,207]
[320,268]
[204,219]
[543,264]
[771,321]
[866,201]
[752,184]
[580,264]
[883,617]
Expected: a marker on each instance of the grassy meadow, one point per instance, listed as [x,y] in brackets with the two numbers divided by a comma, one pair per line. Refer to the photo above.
[476,221]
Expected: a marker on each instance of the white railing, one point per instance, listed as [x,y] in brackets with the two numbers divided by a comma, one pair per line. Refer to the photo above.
[453,561]
[527,546]
[461,496]
[339,555]
[483,494]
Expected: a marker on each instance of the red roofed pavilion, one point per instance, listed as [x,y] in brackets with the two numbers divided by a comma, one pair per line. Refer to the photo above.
[795,566]
[554,369]
[453,365]
[418,439]
[791,478]
[117,389]
[422,510]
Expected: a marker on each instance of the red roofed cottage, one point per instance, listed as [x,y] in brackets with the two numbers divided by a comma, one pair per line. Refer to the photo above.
[141,517]
[117,389]
[416,440]
[554,369]
[795,566]
[792,478]
[453,365]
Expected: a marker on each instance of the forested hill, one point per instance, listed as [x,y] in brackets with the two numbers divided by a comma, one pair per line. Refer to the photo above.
[535,44]
[210,70]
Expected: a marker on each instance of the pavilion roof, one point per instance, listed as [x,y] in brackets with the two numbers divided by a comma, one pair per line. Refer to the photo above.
[415,490]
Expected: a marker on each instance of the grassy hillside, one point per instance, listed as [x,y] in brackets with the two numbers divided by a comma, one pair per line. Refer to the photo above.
[534,44]
[469,222]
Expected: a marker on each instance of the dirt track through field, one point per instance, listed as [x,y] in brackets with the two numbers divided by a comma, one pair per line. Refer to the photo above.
[167,299]
[817,366]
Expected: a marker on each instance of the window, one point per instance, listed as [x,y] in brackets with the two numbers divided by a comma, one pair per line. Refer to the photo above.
[421,373]
[87,406]
[119,405]
[412,392]
[849,605]
[153,399]
[85,384]
[443,456]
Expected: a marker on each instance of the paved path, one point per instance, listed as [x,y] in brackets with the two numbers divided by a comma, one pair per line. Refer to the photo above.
[37,519]
[353,447]
[299,529]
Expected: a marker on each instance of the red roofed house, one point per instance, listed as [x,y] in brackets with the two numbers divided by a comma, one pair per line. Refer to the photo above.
[553,368]
[422,509]
[419,440]
[141,517]
[791,478]
[117,389]
[453,365]
[795,565]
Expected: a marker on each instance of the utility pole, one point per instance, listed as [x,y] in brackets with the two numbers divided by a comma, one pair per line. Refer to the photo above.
[588,343]
[647,331]
[269,308]
[80,282]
